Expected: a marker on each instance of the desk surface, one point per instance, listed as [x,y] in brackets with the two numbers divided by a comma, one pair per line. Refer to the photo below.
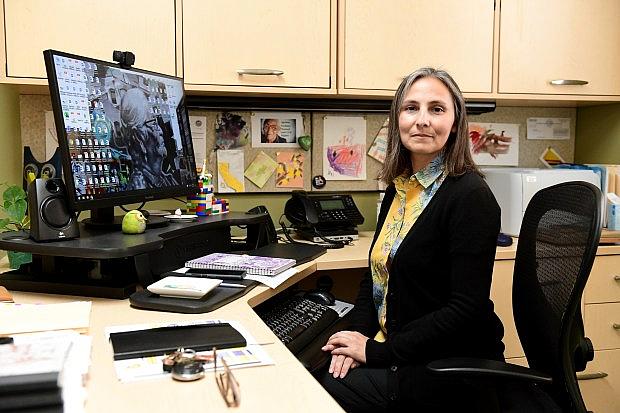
[283,387]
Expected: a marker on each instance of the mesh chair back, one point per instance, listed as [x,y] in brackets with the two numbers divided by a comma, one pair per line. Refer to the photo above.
[556,249]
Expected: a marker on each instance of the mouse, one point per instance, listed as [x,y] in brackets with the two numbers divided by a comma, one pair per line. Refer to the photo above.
[320,297]
[504,240]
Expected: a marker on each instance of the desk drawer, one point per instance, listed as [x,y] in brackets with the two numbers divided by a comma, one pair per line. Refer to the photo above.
[602,325]
[600,382]
[604,283]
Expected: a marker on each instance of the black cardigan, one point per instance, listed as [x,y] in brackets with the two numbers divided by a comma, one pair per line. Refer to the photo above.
[440,278]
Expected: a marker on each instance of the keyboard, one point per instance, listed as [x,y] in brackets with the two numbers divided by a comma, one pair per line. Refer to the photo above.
[297,321]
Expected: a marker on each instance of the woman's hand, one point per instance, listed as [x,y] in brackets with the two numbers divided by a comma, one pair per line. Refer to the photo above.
[340,365]
[348,343]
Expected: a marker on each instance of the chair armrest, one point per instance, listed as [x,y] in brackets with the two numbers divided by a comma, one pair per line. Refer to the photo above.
[480,368]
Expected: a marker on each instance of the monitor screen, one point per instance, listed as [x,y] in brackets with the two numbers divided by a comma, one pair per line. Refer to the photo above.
[123,133]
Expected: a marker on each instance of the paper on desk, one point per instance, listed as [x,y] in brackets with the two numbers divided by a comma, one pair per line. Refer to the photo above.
[273,281]
[252,355]
[26,318]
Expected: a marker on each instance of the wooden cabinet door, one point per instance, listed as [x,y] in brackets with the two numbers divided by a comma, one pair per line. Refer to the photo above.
[90,28]
[292,39]
[551,40]
[381,41]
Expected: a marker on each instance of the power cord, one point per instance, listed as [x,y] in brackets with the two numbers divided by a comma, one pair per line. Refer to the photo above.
[139,208]
[329,244]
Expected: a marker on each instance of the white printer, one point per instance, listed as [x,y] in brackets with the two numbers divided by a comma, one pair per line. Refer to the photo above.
[514,187]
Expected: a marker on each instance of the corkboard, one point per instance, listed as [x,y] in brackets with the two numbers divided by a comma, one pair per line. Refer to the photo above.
[374,122]
[250,152]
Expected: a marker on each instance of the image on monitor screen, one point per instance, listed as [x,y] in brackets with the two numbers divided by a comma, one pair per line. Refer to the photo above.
[123,133]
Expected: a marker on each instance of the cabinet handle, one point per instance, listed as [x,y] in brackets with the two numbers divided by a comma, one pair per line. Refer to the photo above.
[617,277]
[592,376]
[568,82]
[260,72]
[616,326]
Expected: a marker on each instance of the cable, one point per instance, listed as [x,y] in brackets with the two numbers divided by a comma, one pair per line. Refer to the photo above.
[336,243]
[330,244]
[139,208]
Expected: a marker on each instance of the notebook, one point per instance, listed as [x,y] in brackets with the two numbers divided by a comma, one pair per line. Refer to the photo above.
[252,264]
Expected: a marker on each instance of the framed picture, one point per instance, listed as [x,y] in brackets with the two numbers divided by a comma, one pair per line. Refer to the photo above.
[276,129]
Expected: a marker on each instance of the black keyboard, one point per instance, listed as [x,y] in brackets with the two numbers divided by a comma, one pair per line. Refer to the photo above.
[297,321]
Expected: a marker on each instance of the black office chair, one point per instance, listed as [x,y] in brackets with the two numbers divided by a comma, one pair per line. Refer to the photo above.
[555,252]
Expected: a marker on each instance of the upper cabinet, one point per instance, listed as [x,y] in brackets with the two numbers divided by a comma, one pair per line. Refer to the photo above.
[382,41]
[270,46]
[90,28]
[511,51]
[572,43]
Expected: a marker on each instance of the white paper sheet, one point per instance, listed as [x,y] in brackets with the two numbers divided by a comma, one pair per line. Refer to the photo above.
[198,127]
[548,128]
[230,166]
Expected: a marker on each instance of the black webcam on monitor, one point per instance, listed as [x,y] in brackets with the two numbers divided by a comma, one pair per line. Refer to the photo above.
[125,59]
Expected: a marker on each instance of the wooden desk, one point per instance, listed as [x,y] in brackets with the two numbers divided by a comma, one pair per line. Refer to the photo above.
[283,387]
[286,386]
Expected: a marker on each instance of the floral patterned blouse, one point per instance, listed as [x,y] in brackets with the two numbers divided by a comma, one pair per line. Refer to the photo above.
[412,195]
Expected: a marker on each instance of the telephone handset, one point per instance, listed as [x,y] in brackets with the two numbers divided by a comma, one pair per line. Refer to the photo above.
[263,233]
[322,211]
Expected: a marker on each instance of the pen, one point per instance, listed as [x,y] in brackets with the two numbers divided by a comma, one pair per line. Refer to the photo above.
[214,275]
[232,285]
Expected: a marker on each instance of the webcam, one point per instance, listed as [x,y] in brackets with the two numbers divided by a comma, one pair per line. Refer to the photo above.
[124,59]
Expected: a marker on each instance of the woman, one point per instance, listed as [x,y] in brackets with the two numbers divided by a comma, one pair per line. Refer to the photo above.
[426,296]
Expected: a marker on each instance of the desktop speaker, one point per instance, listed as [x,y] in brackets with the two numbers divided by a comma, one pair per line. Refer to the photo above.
[50,216]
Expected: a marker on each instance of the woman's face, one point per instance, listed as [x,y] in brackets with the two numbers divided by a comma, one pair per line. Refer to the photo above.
[426,120]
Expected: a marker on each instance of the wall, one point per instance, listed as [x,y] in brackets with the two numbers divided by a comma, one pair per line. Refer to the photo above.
[598,134]
[10,141]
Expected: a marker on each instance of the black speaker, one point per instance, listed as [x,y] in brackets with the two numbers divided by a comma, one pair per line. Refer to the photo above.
[50,216]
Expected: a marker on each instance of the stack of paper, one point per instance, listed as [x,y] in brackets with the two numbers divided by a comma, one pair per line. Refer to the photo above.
[44,371]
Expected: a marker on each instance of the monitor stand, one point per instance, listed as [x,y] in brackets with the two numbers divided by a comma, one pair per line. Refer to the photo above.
[104,218]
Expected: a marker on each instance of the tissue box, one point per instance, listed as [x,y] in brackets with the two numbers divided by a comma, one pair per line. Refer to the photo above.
[613,212]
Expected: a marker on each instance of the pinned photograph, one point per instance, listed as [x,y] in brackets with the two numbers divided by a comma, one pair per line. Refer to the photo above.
[276,129]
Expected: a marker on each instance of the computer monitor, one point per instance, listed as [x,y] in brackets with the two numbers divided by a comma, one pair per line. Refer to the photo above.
[123,134]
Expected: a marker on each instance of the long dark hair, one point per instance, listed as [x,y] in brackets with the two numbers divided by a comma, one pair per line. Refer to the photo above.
[456,154]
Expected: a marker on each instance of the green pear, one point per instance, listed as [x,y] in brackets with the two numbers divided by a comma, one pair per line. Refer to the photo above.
[134,222]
